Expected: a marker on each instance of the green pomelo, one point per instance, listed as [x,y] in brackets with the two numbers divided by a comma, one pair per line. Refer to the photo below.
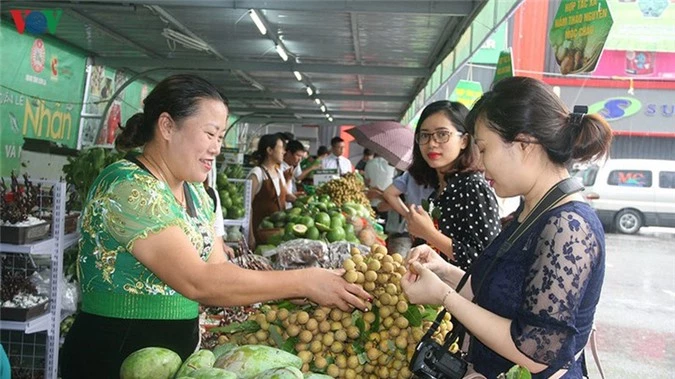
[250,360]
[199,359]
[150,363]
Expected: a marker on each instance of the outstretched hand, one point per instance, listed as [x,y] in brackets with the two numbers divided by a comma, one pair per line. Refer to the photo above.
[328,288]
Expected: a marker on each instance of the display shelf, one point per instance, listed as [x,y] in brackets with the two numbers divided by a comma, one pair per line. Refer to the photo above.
[245,222]
[43,247]
[239,222]
[70,240]
[34,325]
[52,247]
[38,324]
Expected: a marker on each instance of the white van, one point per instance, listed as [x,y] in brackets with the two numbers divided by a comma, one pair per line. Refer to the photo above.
[628,194]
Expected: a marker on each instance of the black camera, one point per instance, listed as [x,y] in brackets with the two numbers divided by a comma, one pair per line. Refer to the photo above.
[434,361]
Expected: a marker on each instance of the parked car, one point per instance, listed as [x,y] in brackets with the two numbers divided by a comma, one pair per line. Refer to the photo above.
[628,194]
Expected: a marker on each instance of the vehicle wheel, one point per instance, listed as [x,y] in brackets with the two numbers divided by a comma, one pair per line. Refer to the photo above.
[628,221]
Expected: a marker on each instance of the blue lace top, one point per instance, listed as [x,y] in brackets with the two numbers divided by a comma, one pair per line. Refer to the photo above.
[549,285]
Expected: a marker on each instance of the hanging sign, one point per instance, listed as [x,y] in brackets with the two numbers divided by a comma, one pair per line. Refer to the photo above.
[504,66]
[579,33]
[325,175]
[232,155]
[467,92]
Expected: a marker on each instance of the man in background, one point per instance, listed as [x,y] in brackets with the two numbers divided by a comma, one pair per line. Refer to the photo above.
[367,156]
[335,160]
[290,166]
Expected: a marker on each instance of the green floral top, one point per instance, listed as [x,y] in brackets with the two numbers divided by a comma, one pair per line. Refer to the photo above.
[127,203]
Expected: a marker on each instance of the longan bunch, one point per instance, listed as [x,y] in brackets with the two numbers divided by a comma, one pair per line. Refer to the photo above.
[330,340]
[346,189]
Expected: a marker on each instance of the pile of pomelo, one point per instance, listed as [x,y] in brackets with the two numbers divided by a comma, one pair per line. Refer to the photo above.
[319,218]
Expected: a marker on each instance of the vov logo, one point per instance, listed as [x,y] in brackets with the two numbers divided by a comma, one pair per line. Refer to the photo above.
[36,22]
[616,108]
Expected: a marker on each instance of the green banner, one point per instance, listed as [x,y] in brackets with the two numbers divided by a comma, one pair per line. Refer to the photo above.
[578,35]
[103,82]
[467,92]
[504,66]
[41,87]
[11,143]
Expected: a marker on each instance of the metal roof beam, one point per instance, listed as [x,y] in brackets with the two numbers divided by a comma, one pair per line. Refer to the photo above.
[437,7]
[307,121]
[311,113]
[323,96]
[192,64]
[111,33]
[301,121]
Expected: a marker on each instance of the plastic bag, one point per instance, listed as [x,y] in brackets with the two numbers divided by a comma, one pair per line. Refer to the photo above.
[299,253]
[341,250]
[41,282]
[251,261]
[70,291]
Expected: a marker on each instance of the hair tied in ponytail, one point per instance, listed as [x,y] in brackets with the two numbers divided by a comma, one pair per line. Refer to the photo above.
[577,115]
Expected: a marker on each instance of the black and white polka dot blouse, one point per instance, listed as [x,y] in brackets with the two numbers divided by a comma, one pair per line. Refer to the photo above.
[469,215]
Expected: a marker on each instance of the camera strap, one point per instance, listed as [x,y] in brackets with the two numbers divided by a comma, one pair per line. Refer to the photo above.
[554,195]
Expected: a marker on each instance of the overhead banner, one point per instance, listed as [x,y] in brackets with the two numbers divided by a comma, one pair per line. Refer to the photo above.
[103,82]
[579,32]
[504,66]
[642,25]
[467,92]
[41,87]
[11,143]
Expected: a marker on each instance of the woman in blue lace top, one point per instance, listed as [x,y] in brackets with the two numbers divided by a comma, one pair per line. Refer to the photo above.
[536,305]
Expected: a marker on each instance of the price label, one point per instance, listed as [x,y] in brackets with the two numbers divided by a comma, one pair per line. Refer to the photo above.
[325,175]
[232,155]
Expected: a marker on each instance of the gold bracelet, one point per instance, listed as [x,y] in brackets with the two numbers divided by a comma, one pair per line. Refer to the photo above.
[446,296]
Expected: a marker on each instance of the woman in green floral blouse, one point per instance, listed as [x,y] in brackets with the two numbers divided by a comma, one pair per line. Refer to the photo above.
[147,253]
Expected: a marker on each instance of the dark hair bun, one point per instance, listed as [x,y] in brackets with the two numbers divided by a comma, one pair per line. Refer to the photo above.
[134,134]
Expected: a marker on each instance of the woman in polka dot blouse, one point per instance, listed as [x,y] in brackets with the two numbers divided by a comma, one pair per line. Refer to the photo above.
[445,157]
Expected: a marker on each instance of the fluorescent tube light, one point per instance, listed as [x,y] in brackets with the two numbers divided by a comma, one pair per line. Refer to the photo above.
[317,101]
[282,52]
[258,22]
[309,91]
[330,119]
[323,108]
[298,75]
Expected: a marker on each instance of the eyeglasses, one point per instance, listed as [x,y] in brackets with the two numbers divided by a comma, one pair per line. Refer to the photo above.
[440,136]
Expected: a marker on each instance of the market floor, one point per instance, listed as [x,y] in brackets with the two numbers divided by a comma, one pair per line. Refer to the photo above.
[636,315]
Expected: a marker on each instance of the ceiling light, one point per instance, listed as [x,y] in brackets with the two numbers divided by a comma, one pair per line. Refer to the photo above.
[282,52]
[317,101]
[327,115]
[258,22]
[185,40]
[309,91]
[323,108]
[298,75]
[330,119]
